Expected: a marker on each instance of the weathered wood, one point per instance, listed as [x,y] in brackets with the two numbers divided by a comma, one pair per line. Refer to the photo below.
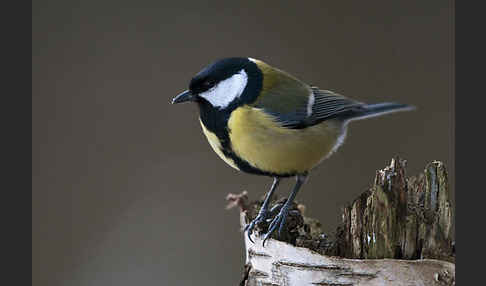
[400,218]
[396,233]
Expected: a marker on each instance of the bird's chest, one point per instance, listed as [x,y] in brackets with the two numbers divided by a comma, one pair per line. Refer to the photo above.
[250,140]
[258,139]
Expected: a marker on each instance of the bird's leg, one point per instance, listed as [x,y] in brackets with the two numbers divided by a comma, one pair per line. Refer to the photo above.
[279,220]
[263,213]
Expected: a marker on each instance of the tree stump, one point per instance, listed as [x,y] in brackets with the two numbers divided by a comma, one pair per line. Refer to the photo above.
[399,232]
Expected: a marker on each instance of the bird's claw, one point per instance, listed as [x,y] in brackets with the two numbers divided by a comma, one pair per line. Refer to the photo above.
[278,221]
[261,217]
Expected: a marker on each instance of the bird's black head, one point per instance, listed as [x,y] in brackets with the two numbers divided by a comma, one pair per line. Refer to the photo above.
[216,73]
[224,84]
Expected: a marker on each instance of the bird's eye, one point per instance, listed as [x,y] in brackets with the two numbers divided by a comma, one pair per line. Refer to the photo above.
[208,83]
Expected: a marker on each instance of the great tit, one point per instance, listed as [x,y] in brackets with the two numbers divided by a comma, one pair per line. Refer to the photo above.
[264,121]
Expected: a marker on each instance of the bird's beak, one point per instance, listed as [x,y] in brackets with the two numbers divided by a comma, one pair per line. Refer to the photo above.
[183,97]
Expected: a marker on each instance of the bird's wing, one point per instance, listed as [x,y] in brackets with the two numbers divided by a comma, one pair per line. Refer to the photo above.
[295,104]
[328,105]
[301,106]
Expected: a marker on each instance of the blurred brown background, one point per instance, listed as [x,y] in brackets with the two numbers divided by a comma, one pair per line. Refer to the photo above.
[126,190]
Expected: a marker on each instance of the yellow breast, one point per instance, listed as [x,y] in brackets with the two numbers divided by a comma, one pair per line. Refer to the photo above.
[257,138]
[216,145]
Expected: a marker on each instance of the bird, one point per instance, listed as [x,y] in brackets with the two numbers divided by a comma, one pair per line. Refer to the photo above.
[264,121]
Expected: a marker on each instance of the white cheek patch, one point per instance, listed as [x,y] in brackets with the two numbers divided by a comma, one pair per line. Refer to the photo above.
[227,90]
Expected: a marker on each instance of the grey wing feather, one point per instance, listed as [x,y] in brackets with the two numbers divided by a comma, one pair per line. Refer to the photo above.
[329,105]
[324,105]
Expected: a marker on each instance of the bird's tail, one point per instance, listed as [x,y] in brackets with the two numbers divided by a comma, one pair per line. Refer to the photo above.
[378,109]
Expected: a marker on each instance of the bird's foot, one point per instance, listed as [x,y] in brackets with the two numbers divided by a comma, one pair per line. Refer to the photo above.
[261,217]
[278,221]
